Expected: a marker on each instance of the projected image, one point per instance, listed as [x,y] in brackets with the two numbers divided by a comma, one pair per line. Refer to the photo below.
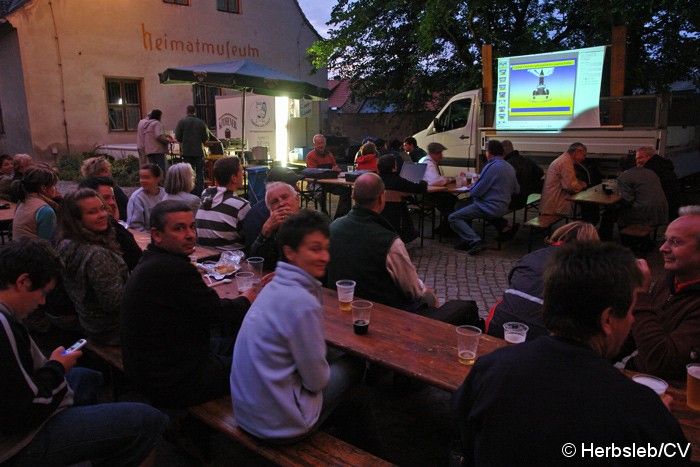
[544,88]
[550,91]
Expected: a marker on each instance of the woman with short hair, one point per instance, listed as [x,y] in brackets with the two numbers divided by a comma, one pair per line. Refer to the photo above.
[179,182]
[95,273]
[101,167]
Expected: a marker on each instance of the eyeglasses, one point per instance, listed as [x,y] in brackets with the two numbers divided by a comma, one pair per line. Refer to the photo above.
[674,242]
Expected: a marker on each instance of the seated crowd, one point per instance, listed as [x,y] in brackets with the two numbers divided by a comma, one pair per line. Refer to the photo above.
[589,306]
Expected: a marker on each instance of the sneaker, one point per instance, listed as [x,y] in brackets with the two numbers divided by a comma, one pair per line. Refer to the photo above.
[462,245]
[475,248]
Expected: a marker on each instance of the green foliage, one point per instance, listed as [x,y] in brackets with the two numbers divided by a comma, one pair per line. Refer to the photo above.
[125,171]
[410,52]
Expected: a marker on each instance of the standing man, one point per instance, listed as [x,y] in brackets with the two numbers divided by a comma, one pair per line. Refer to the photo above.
[664,169]
[48,409]
[220,216]
[560,182]
[192,133]
[410,145]
[167,313]
[321,158]
[155,140]
[551,398]
[666,328]
[489,195]
[140,139]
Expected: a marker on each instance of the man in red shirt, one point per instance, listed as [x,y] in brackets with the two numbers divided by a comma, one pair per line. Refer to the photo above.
[320,158]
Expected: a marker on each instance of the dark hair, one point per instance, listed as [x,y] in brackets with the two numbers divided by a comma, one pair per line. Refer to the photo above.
[153,168]
[191,109]
[411,140]
[581,280]
[575,147]
[295,229]
[386,163]
[5,157]
[395,145]
[32,256]
[159,214]
[156,114]
[368,148]
[380,143]
[32,181]
[225,168]
[494,147]
[72,228]
[95,182]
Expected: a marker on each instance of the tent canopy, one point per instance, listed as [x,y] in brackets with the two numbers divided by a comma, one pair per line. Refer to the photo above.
[246,76]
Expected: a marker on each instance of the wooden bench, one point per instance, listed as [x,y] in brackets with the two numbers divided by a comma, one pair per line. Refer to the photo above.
[638,238]
[318,449]
[543,222]
[112,355]
[533,201]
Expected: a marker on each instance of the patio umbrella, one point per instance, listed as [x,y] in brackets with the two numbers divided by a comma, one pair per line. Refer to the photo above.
[244,76]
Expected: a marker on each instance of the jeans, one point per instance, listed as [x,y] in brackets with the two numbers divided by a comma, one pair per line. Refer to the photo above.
[159,160]
[461,220]
[197,164]
[117,434]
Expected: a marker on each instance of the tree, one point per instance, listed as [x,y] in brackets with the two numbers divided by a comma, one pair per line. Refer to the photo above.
[409,52]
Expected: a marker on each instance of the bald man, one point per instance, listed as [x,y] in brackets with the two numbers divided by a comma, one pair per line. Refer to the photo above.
[365,248]
[666,331]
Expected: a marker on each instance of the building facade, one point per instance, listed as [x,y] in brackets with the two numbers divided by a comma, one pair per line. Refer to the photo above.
[77,74]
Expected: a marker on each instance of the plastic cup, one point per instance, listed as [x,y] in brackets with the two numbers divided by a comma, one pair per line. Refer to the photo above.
[351,168]
[361,311]
[657,384]
[467,344]
[244,280]
[460,182]
[515,333]
[255,265]
[346,292]
[693,386]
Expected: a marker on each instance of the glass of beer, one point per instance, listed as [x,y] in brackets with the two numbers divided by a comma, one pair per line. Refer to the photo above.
[693,387]
[467,344]
[515,333]
[346,292]
[361,310]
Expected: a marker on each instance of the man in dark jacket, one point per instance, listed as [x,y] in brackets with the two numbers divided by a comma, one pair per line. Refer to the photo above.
[664,169]
[166,316]
[192,132]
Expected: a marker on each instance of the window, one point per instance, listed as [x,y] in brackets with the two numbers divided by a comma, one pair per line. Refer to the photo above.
[123,103]
[204,102]
[178,2]
[455,116]
[232,6]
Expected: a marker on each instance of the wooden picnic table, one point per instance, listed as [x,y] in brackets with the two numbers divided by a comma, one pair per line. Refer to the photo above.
[420,348]
[6,215]
[595,195]
[426,350]
[200,252]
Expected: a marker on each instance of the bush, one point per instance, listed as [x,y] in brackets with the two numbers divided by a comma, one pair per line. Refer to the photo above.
[124,171]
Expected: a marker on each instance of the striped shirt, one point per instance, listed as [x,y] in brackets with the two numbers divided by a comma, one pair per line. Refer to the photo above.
[219,219]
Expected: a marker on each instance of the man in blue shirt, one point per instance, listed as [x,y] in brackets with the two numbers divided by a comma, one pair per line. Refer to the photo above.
[490,197]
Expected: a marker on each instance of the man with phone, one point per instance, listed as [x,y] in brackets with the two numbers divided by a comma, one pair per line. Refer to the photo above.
[48,414]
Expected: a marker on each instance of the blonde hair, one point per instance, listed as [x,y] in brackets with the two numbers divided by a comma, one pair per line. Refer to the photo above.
[577,230]
[95,166]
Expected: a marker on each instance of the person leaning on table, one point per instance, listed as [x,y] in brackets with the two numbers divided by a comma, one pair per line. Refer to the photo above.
[524,404]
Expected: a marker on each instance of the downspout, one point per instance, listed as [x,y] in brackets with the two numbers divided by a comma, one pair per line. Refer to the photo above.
[60,74]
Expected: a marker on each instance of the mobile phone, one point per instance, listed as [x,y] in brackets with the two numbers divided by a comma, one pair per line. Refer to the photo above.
[77,346]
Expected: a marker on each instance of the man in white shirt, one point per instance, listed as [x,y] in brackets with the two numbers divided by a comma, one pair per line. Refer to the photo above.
[445,202]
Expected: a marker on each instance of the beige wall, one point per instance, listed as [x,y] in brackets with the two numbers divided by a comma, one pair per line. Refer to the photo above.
[138,39]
